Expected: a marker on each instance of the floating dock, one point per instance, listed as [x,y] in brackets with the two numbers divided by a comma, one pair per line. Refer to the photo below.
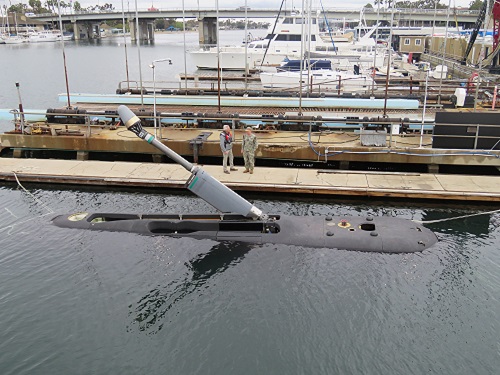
[240,101]
[272,180]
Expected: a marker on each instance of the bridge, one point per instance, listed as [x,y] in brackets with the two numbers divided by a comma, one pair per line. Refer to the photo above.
[87,23]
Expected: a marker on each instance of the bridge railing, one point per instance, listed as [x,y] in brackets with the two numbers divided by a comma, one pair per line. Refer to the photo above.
[72,12]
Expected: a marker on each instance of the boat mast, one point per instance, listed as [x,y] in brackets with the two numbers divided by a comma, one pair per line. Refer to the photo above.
[125,46]
[184,42]
[423,110]
[8,25]
[272,33]
[138,41]
[444,51]
[246,46]
[15,21]
[309,33]
[3,22]
[375,50]
[301,56]
[218,56]
[389,44]
[63,53]
[481,52]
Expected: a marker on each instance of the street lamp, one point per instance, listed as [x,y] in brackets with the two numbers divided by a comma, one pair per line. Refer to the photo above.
[153,66]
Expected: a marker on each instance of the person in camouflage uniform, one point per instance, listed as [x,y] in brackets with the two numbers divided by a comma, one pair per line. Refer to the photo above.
[248,147]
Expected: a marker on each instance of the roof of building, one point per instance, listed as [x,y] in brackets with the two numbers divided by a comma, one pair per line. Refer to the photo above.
[21,20]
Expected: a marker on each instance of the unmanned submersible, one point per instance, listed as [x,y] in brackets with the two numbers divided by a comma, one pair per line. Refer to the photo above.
[241,221]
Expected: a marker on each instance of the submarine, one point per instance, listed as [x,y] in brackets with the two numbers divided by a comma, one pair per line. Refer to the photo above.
[241,221]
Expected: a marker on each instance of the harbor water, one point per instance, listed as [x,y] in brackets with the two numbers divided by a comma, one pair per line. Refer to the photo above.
[77,302]
[115,303]
[93,67]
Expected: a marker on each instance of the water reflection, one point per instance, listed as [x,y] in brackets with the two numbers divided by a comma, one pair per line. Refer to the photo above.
[153,307]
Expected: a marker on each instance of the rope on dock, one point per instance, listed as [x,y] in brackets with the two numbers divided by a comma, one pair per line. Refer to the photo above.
[456,217]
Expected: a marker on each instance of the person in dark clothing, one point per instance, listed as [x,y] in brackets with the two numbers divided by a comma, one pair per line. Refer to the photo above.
[226,146]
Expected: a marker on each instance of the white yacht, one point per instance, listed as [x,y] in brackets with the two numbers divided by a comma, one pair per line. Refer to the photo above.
[14,39]
[42,36]
[319,80]
[286,42]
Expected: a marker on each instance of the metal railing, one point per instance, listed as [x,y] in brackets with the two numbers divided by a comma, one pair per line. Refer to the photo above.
[108,118]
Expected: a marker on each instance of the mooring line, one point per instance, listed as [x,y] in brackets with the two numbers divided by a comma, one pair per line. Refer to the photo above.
[456,217]
[12,226]
[50,210]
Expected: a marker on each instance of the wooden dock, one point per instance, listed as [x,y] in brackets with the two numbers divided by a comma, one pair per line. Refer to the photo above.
[271,180]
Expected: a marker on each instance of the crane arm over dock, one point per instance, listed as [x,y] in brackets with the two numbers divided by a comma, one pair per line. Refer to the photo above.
[201,182]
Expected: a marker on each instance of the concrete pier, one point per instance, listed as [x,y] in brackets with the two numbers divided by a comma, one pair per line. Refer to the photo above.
[146,31]
[273,180]
[208,31]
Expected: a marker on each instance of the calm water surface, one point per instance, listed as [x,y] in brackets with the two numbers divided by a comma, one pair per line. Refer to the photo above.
[93,67]
[76,302]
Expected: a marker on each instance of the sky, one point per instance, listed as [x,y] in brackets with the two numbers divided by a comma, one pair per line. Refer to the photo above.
[143,4]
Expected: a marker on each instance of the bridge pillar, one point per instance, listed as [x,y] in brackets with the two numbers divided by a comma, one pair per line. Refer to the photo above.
[151,31]
[96,30]
[81,30]
[208,30]
[146,31]
[133,31]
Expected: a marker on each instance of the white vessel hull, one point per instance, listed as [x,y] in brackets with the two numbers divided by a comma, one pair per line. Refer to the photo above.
[324,80]
[234,59]
[14,40]
[43,37]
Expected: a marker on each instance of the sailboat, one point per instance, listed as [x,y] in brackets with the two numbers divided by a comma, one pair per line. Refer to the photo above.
[13,39]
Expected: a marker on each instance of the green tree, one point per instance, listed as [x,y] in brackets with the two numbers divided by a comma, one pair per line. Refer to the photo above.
[36,6]
[369,6]
[51,5]
[18,8]
[476,4]
[77,7]
[160,24]
[407,4]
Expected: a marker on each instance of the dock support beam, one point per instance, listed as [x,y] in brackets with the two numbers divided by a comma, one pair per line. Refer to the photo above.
[18,153]
[146,31]
[82,155]
[344,165]
[433,168]
[207,31]
[157,158]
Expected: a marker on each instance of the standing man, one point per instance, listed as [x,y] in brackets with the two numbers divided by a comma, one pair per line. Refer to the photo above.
[226,145]
[249,146]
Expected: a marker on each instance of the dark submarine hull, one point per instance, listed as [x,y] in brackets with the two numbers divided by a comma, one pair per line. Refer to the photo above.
[368,234]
